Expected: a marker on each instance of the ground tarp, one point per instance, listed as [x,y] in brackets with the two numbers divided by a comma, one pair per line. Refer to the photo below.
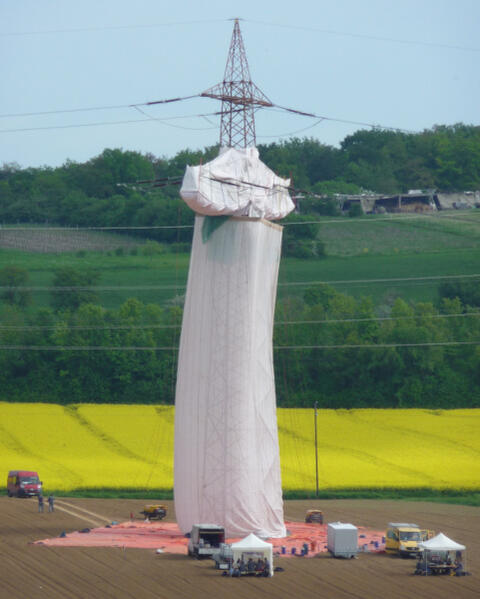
[168,537]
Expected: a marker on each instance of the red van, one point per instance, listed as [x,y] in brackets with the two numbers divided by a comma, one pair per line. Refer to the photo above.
[23,483]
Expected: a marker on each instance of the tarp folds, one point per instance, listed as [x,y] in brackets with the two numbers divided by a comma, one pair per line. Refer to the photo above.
[236,183]
[227,465]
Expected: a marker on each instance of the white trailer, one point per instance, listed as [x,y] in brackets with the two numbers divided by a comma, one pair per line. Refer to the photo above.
[205,540]
[342,539]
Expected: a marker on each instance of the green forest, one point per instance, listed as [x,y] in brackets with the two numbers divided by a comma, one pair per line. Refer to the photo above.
[102,191]
[412,349]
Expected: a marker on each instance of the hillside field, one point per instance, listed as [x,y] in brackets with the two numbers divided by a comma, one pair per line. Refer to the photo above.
[359,251]
[87,446]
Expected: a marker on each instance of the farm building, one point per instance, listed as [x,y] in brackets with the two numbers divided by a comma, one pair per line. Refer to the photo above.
[459,200]
[415,200]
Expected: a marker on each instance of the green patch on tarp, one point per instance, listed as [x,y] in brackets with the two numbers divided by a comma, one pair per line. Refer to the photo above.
[211,224]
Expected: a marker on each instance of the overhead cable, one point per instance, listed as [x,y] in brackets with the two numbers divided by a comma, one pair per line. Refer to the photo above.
[109,28]
[377,345]
[94,108]
[341,220]
[130,327]
[254,21]
[276,348]
[163,121]
[288,284]
[320,120]
[366,36]
[360,123]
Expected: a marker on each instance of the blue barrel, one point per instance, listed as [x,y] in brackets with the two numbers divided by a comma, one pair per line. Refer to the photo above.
[294,550]
[284,550]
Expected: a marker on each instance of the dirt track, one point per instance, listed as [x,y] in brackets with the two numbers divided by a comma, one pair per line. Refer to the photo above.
[38,571]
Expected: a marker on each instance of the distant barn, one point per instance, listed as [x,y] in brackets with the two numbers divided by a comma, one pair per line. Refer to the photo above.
[414,201]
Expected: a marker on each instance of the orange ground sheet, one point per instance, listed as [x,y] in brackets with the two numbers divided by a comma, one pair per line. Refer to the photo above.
[167,537]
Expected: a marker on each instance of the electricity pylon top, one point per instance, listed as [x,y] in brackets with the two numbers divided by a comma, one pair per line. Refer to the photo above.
[240,97]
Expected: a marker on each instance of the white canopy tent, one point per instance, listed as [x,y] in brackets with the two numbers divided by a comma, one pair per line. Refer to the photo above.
[440,544]
[252,546]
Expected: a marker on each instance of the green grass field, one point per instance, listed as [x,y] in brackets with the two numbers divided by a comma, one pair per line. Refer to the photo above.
[391,234]
[359,253]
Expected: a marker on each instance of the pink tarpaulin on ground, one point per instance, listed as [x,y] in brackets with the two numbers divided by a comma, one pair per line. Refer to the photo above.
[167,537]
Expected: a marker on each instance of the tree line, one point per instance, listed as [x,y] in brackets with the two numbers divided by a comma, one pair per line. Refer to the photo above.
[104,191]
[336,352]
[380,368]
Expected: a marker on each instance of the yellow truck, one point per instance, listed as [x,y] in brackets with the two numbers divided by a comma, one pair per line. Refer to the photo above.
[155,512]
[403,538]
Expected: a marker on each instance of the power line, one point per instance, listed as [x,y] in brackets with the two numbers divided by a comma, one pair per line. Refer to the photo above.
[109,28]
[320,120]
[63,111]
[367,37]
[7,328]
[95,108]
[289,284]
[370,281]
[345,221]
[112,327]
[51,127]
[276,348]
[348,122]
[253,21]
[378,345]
[375,319]
[163,121]
[79,229]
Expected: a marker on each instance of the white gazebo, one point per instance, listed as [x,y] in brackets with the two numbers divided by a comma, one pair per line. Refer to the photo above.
[441,543]
[252,546]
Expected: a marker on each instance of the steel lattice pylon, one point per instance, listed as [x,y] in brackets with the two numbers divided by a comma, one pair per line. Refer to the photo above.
[240,97]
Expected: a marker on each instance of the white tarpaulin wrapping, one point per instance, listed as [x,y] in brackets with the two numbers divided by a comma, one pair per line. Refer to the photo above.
[227,468]
[236,183]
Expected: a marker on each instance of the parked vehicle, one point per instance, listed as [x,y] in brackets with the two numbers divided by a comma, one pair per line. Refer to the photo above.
[403,539]
[314,516]
[155,512]
[342,539]
[23,483]
[205,540]
[224,558]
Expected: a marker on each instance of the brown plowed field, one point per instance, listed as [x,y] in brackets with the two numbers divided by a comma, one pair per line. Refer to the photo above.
[35,571]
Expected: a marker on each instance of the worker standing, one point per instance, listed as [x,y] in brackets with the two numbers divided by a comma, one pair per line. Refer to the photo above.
[40,503]
[51,501]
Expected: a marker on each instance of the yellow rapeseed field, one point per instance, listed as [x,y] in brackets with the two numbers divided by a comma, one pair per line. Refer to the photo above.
[118,446]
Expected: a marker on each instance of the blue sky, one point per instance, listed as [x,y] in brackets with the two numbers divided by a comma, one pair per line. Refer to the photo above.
[409,64]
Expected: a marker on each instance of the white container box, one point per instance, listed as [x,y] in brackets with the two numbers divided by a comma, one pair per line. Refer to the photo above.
[342,539]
